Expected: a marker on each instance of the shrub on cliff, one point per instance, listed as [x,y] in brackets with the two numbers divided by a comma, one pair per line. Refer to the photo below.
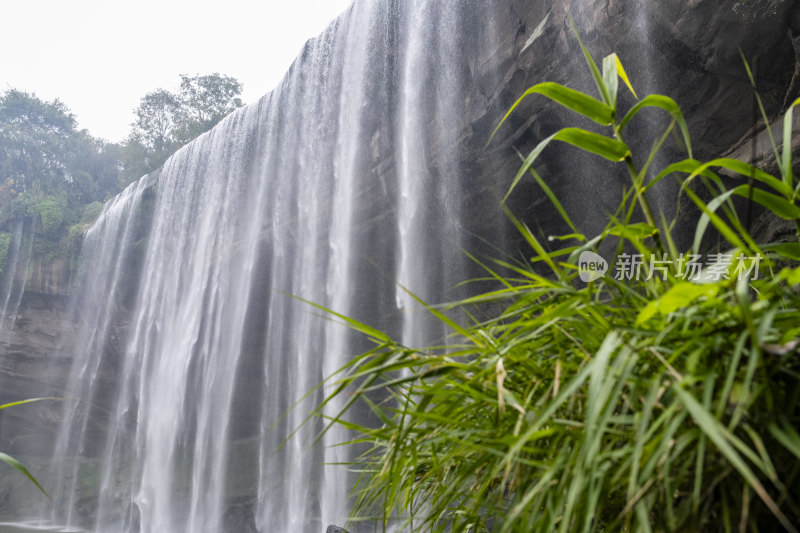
[50,214]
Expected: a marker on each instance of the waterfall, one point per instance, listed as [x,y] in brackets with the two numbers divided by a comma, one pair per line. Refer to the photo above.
[194,345]
[362,179]
[15,277]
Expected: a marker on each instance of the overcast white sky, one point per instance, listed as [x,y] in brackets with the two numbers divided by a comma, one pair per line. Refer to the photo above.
[100,57]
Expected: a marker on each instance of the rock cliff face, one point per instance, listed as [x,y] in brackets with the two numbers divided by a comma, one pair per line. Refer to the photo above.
[36,340]
[35,363]
[687,49]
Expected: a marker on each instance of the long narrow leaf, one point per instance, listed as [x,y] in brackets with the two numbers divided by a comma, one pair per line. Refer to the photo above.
[667,104]
[557,204]
[10,461]
[778,205]
[598,77]
[716,433]
[611,78]
[31,400]
[569,98]
[624,76]
[786,156]
[611,149]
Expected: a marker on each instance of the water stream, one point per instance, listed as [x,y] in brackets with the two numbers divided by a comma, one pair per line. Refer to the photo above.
[15,277]
[194,346]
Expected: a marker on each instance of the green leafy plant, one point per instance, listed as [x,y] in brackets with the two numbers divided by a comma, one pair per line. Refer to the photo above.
[50,214]
[91,212]
[13,463]
[655,402]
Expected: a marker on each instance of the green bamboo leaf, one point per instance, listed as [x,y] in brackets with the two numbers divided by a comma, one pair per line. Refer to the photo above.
[611,149]
[746,170]
[667,104]
[445,319]
[638,231]
[761,108]
[654,151]
[687,166]
[560,208]
[677,297]
[779,206]
[611,78]
[642,423]
[534,243]
[24,471]
[352,323]
[610,344]
[624,75]
[786,156]
[791,275]
[570,98]
[590,62]
[568,237]
[22,402]
[717,433]
[588,245]
[787,436]
[709,216]
[708,393]
[790,250]
[767,465]
[526,164]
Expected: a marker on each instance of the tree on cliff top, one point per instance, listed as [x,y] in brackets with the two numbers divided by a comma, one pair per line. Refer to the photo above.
[45,161]
[167,120]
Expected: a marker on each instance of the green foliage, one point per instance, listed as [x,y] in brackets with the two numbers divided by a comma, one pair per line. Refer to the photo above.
[91,212]
[5,245]
[48,169]
[45,159]
[89,215]
[33,140]
[50,214]
[165,120]
[205,100]
[156,118]
[58,176]
[654,403]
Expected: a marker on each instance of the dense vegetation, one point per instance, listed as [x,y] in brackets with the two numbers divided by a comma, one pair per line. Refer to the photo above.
[56,177]
[663,398]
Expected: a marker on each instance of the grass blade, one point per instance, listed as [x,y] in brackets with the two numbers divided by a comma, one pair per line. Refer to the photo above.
[716,433]
[24,471]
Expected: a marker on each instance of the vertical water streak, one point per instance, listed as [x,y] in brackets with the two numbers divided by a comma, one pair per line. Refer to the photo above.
[15,277]
[10,271]
[188,328]
[296,169]
[291,207]
[341,279]
[106,249]
[647,73]
[428,171]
